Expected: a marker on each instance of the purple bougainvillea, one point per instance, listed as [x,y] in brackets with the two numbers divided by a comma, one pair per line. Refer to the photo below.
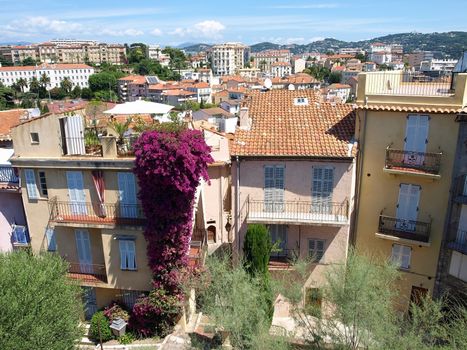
[169,167]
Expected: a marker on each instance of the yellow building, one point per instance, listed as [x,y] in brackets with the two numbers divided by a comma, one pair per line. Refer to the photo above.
[80,199]
[407,134]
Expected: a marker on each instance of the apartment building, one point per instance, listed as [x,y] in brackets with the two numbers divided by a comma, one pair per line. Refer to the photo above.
[133,87]
[292,170]
[228,58]
[265,59]
[80,198]
[78,74]
[281,69]
[407,134]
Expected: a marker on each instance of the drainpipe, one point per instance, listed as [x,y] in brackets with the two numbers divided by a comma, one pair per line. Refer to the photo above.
[237,202]
[358,187]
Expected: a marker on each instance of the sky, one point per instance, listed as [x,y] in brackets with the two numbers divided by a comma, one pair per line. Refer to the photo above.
[172,22]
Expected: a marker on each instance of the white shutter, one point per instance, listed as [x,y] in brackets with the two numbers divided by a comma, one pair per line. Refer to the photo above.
[74,133]
[76,192]
[31,185]
[407,207]
[51,242]
[454,267]
[83,246]
[401,255]
[417,133]
[127,194]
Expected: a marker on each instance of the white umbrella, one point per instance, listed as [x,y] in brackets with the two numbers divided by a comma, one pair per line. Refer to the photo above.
[140,107]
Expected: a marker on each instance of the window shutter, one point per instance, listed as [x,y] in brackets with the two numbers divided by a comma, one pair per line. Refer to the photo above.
[123,254]
[131,251]
[268,183]
[31,186]
[52,245]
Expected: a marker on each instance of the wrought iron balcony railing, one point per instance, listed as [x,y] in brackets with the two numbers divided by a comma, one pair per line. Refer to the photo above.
[90,273]
[298,211]
[7,175]
[460,242]
[406,229]
[413,161]
[96,213]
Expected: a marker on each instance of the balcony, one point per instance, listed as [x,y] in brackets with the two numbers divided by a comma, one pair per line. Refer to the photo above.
[413,163]
[401,83]
[95,213]
[87,273]
[8,179]
[298,212]
[82,146]
[460,242]
[415,232]
[460,189]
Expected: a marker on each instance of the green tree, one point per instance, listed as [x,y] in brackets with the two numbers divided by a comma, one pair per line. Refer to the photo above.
[86,93]
[335,77]
[76,92]
[66,85]
[40,306]
[257,249]
[103,81]
[137,52]
[361,57]
[34,85]
[28,61]
[6,98]
[4,62]
[57,93]
[178,59]
[44,80]
[22,83]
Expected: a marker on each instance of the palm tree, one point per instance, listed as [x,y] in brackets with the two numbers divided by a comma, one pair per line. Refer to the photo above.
[22,83]
[44,80]
[34,85]
[66,85]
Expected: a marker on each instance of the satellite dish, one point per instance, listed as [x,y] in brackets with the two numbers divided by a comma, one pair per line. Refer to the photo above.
[291,87]
[267,83]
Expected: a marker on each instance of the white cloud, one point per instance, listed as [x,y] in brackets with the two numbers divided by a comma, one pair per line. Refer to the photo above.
[205,29]
[126,32]
[37,25]
[156,32]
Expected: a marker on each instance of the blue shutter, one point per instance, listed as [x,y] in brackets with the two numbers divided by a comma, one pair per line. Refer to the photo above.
[31,186]
[52,245]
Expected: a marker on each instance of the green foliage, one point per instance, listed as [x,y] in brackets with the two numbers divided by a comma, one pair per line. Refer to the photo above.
[127,338]
[40,307]
[86,93]
[361,57]
[44,109]
[120,128]
[178,60]
[4,62]
[234,302]
[318,72]
[76,92]
[57,93]
[6,98]
[98,320]
[29,61]
[151,67]
[66,85]
[137,53]
[103,81]
[257,249]
[335,77]
[105,95]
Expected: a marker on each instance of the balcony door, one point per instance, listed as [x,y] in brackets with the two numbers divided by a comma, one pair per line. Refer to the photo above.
[274,188]
[407,207]
[279,239]
[76,192]
[416,138]
[127,195]
[83,247]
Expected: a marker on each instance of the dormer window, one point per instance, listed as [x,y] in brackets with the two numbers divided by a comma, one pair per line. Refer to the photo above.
[301,101]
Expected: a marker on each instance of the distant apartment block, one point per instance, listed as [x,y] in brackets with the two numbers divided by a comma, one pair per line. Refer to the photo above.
[228,58]
[78,74]
[264,60]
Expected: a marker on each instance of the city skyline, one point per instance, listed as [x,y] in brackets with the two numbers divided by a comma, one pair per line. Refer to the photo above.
[179,21]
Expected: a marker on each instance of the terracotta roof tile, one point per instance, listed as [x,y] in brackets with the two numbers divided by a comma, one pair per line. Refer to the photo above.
[412,109]
[281,128]
[9,119]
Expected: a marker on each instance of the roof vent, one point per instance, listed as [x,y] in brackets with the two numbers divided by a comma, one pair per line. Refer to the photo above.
[300,101]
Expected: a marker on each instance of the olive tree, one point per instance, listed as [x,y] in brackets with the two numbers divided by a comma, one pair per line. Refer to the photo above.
[39,307]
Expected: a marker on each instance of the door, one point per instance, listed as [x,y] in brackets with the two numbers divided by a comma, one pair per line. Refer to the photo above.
[76,192]
[274,188]
[407,207]
[89,302]
[321,190]
[83,247]
[127,195]
[279,239]
[416,138]
[74,131]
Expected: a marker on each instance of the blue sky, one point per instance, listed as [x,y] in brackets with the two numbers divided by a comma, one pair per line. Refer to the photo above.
[171,22]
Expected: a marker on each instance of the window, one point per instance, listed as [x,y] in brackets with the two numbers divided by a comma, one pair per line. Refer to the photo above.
[316,249]
[127,254]
[274,187]
[321,189]
[43,183]
[301,101]
[34,137]
[31,186]
[20,235]
[51,243]
[401,255]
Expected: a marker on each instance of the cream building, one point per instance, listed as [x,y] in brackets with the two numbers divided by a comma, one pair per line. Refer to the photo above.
[228,58]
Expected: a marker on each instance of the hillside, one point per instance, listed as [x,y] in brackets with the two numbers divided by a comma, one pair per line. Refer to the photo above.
[449,44]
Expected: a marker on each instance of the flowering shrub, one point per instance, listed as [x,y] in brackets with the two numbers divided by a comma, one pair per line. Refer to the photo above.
[155,314]
[169,166]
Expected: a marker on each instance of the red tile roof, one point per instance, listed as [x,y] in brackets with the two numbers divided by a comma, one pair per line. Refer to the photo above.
[281,128]
[9,119]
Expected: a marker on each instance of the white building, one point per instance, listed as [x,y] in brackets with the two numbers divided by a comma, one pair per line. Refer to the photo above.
[341,92]
[437,65]
[381,57]
[203,91]
[154,52]
[73,42]
[228,58]
[299,65]
[78,74]
[281,69]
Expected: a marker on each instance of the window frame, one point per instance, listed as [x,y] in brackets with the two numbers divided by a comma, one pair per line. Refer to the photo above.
[398,260]
[33,141]
[124,244]
[314,256]
[43,189]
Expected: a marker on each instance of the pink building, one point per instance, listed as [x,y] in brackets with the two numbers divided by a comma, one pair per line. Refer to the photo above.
[293,169]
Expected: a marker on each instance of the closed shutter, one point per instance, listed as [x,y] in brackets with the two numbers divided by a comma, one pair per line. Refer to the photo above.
[83,246]
[31,185]
[274,187]
[51,243]
[416,136]
[407,207]
[316,249]
[127,195]
[321,189]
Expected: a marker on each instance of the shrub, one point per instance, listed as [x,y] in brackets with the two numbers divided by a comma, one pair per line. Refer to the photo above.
[155,314]
[105,332]
[257,249]
[114,311]
[127,338]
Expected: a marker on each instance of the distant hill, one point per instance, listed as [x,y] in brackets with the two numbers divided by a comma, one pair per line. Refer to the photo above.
[449,44]
[15,43]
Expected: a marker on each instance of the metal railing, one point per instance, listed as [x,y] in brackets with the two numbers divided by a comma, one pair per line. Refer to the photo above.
[459,243]
[419,161]
[125,146]
[406,229]
[407,84]
[87,272]
[7,174]
[298,211]
[97,213]
[81,146]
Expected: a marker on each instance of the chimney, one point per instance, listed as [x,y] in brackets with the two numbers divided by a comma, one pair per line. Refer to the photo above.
[245,121]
